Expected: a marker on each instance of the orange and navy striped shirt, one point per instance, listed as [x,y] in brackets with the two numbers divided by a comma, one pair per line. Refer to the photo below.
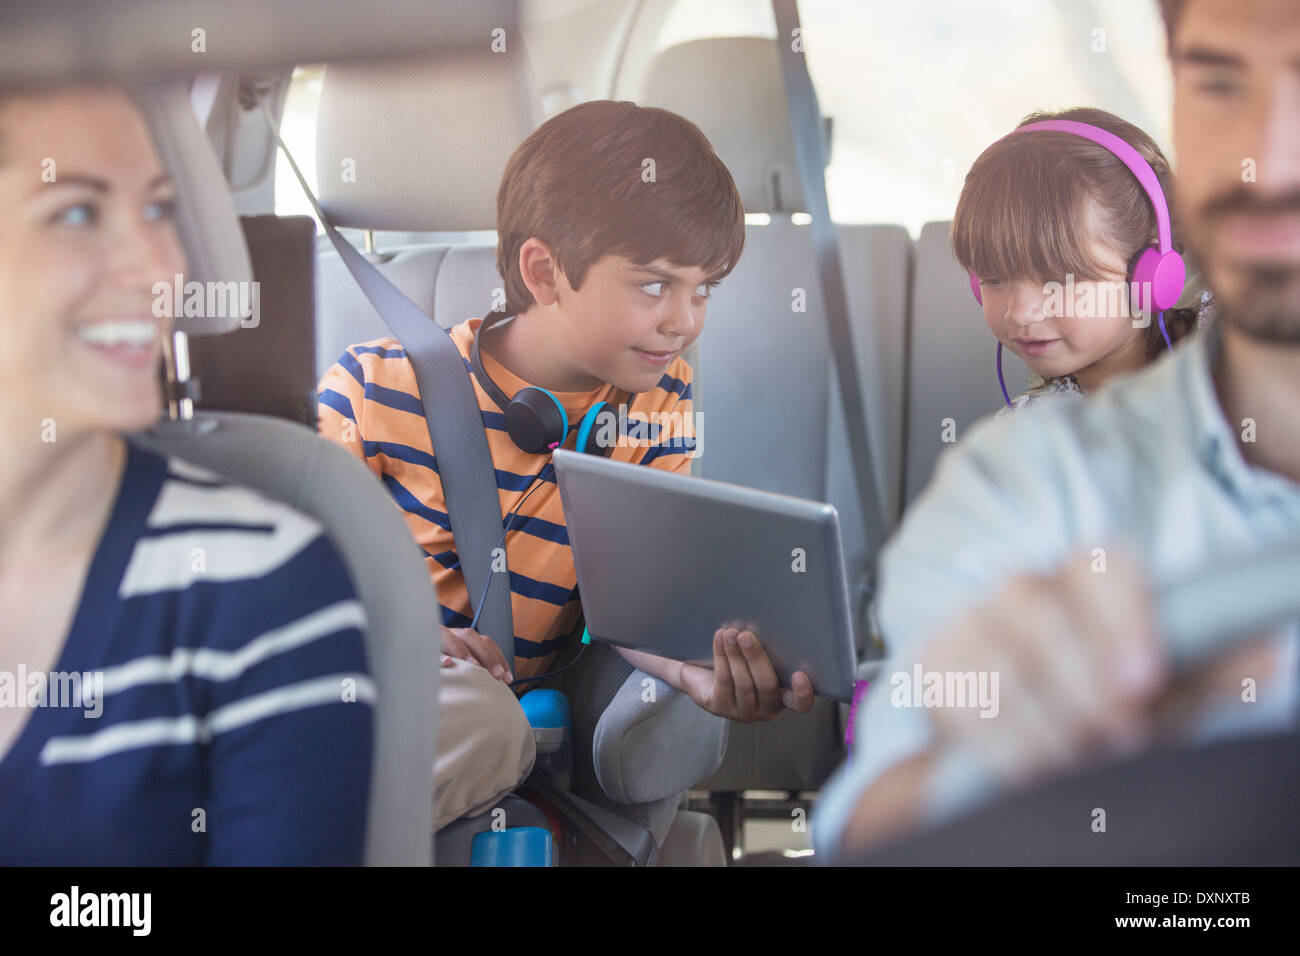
[369,403]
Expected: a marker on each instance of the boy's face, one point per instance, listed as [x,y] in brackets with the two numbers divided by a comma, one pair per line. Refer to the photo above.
[1237,132]
[628,322]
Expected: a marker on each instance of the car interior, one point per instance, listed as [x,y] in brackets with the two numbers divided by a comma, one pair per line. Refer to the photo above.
[413,95]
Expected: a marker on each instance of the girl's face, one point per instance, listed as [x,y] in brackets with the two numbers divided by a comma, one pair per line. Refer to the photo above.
[86,229]
[1068,327]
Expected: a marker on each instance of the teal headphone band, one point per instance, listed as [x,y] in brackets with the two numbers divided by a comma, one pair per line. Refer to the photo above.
[535,419]
[598,413]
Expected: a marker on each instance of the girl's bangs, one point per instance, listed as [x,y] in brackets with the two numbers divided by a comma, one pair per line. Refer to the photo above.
[1023,215]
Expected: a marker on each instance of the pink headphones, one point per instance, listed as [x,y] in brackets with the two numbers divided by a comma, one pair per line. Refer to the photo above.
[1158,272]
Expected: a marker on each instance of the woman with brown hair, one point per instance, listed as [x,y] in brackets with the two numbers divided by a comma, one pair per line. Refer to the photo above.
[183,677]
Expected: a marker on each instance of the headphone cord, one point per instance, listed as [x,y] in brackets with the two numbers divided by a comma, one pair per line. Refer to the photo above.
[586,637]
[1002,382]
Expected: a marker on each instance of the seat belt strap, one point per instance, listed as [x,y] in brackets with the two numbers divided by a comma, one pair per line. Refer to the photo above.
[810,157]
[454,420]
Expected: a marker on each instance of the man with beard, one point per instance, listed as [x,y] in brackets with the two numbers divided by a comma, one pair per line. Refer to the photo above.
[1035,550]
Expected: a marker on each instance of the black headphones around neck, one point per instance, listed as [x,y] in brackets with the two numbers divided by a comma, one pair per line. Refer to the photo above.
[535,419]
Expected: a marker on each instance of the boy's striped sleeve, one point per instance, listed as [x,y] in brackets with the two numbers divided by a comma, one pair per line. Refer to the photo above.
[340,407]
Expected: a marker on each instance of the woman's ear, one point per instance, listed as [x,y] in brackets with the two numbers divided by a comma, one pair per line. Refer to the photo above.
[538,269]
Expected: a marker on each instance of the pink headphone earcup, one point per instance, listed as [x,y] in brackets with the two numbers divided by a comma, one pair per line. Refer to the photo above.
[975,288]
[1162,275]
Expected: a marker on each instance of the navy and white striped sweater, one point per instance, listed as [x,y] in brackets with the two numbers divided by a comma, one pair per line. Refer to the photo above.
[235,723]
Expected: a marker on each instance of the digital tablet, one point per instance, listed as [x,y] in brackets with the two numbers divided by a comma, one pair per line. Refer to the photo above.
[664,560]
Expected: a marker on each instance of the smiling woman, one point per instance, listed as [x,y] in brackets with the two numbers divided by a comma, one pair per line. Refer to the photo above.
[219,628]
[87,221]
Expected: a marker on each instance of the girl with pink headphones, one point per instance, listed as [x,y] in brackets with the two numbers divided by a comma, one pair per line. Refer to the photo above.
[1066,232]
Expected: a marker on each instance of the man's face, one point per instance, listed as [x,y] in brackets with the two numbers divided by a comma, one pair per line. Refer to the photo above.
[1237,133]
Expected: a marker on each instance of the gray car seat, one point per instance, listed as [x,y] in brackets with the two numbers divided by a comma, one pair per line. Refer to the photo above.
[789,438]
[429,140]
[952,373]
[291,463]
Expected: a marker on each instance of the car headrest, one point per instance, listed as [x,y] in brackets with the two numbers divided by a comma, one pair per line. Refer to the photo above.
[122,41]
[731,88]
[205,212]
[419,145]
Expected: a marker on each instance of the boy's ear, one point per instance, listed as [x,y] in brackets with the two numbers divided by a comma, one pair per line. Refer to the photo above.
[539,272]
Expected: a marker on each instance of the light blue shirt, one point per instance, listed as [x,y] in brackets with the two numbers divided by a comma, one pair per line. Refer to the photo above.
[1149,463]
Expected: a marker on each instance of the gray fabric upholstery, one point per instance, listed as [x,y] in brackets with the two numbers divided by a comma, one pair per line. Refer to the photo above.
[877,265]
[693,840]
[205,213]
[731,88]
[115,40]
[429,138]
[591,686]
[290,462]
[951,372]
[792,752]
[637,744]
[449,283]
[757,358]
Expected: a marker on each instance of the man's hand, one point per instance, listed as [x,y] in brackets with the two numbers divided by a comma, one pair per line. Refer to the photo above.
[467,645]
[1082,671]
[1078,665]
[1082,674]
[743,684]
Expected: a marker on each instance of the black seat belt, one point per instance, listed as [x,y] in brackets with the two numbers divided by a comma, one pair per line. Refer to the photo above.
[454,420]
[810,157]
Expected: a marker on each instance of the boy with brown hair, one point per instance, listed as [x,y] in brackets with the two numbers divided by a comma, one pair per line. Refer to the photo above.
[614,223]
